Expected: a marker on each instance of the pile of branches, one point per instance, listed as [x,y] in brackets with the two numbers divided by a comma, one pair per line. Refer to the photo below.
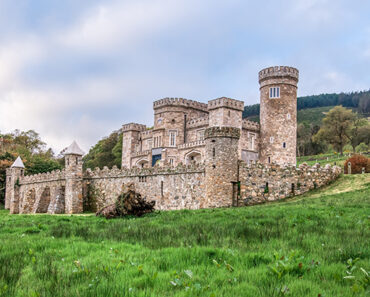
[129,203]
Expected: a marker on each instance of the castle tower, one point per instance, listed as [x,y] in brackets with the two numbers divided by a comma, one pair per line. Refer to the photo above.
[73,170]
[130,141]
[13,174]
[221,161]
[278,115]
[225,112]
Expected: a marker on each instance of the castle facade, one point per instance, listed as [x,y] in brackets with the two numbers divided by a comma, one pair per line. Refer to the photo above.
[178,133]
[196,156]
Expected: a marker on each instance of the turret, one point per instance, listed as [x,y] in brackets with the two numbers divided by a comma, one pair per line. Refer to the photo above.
[13,176]
[225,112]
[130,140]
[73,169]
[221,160]
[278,115]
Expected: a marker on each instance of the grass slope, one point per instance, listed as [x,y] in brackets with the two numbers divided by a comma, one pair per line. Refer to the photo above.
[310,115]
[297,247]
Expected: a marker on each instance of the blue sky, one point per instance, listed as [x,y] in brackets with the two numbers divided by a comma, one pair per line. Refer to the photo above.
[79,69]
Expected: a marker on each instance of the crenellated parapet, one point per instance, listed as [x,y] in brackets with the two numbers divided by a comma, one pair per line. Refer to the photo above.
[55,175]
[226,102]
[278,72]
[179,102]
[228,132]
[198,122]
[250,125]
[115,172]
[133,127]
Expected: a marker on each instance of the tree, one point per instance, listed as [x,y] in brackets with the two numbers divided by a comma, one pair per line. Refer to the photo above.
[29,146]
[362,147]
[336,128]
[360,130]
[107,152]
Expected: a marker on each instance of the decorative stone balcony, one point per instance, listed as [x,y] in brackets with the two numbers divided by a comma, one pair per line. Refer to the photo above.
[139,154]
[191,144]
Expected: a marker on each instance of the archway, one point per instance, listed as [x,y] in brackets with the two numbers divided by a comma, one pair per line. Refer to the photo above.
[44,201]
[142,163]
[29,201]
[193,157]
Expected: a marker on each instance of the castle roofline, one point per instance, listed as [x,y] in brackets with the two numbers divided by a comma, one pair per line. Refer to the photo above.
[74,149]
[18,163]
[278,72]
[226,102]
[180,102]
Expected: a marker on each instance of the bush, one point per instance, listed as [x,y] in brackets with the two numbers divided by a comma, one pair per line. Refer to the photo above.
[357,163]
[347,148]
[362,147]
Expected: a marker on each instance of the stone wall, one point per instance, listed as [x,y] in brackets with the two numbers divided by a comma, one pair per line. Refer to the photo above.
[260,183]
[171,187]
[40,193]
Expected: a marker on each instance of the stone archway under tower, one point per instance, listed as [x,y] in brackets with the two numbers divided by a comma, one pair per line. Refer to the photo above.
[142,163]
[193,156]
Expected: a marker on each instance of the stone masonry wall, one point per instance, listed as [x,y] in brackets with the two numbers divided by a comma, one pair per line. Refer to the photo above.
[171,187]
[260,183]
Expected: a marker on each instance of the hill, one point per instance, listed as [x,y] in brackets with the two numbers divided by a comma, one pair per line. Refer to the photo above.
[358,101]
[304,246]
[311,115]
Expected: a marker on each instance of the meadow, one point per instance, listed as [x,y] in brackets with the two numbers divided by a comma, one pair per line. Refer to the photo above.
[316,244]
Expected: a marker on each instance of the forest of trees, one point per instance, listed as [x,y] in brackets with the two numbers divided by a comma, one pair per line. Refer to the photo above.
[356,100]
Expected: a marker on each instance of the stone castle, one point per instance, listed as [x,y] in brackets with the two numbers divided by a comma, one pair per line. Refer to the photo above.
[196,155]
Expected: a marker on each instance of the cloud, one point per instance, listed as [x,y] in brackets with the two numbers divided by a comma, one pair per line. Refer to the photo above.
[79,70]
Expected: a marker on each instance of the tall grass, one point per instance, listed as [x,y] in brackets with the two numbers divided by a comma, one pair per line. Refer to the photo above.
[293,248]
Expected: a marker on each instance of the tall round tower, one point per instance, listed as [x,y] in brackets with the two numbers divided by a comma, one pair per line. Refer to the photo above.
[278,115]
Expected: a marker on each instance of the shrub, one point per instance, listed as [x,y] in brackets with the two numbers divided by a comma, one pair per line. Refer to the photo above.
[357,163]
[362,147]
[347,148]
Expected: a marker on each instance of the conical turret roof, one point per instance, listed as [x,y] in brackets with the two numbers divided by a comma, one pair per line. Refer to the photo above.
[18,163]
[74,149]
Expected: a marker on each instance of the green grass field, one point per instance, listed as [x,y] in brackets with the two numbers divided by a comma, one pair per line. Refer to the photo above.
[323,159]
[298,247]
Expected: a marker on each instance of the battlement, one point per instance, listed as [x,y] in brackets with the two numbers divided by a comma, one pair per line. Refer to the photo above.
[278,72]
[54,175]
[133,127]
[191,144]
[250,125]
[179,102]
[226,102]
[222,132]
[146,134]
[115,172]
[198,122]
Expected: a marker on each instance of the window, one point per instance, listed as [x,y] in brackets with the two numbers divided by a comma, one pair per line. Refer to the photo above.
[200,135]
[271,139]
[159,141]
[173,137]
[251,141]
[288,116]
[159,121]
[171,160]
[149,143]
[269,159]
[275,92]
[214,152]
[284,145]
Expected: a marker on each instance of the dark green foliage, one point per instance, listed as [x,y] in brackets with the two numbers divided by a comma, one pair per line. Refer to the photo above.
[358,100]
[299,247]
[29,146]
[107,152]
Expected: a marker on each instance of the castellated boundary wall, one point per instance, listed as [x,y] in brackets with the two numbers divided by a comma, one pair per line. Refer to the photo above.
[260,183]
[180,187]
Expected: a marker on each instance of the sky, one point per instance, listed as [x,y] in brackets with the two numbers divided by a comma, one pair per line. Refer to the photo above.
[79,69]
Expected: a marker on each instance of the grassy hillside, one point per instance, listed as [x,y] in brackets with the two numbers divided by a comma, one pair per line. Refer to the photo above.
[299,247]
[310,115]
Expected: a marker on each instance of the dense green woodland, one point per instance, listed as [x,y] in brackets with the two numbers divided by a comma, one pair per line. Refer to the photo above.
[309,246]
[357,100]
